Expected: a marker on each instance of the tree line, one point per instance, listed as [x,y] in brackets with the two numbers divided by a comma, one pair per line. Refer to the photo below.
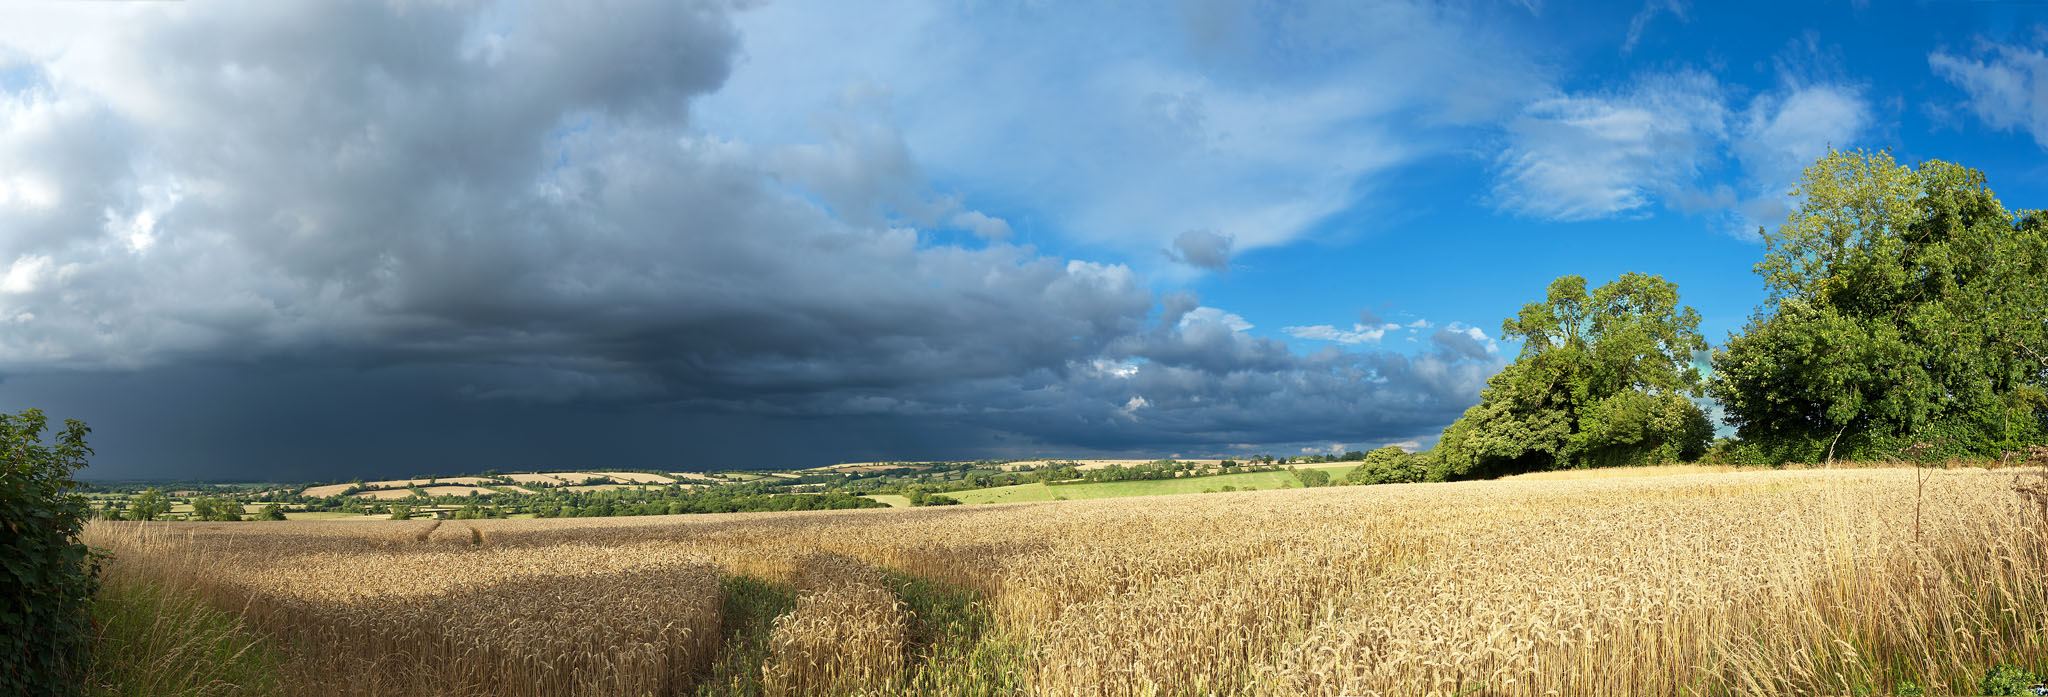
[1907,311]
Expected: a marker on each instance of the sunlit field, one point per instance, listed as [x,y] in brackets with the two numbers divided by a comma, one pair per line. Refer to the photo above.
[1844,581]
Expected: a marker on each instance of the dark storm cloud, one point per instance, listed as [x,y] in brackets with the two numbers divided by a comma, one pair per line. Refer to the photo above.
[353,237]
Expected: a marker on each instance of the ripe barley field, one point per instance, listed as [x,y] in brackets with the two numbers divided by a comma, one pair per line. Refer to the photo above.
[1871,581]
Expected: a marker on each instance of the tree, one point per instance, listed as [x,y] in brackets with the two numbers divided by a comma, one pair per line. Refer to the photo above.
[47,578]
[1905,305]
[271,512]
[149,505]
[1603,379]
[1312,478]
[216,509]
[935,500]
[1388,465]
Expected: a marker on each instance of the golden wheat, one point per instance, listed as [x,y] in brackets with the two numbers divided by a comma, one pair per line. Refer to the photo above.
[1759,582]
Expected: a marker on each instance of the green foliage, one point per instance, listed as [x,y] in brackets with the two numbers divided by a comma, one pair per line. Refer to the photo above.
[1389,465]
[924,499]
[271,512]
[47,578]
[1906,305]
[1604,379]
[2008,680]
[401,511]
[751,606]
[215,508]
[149,505]
[1312,478]
[954,646]
[157,642]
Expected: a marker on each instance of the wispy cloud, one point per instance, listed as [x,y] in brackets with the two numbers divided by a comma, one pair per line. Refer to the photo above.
[1357,334]
[1641,21]
[2007,85]
[1583,157]
[1675,141]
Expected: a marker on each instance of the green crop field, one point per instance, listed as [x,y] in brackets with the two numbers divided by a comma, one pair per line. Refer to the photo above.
[1249,481]
[894,500]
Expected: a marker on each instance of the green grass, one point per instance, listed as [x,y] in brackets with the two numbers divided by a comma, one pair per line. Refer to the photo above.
[156,642]
[1248,481]
[953,647]
[751,606]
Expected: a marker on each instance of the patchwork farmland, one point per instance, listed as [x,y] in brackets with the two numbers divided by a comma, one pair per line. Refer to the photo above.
[527,483]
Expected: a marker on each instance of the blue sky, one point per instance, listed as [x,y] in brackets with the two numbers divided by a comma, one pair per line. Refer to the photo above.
[329,239]
[1371,162]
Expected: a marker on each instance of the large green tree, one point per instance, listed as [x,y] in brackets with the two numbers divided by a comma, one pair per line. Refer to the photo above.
[1604,378]
[1906,305]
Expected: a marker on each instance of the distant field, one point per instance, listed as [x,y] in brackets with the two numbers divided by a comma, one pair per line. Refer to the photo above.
[543,479]
[390,494]
[601,487]
[328,515]
[638,477]
[502,484]
[456,490]
[1248,481]
[1880,581]
[895,500]
[1096,464]
[873,466]
[335,489]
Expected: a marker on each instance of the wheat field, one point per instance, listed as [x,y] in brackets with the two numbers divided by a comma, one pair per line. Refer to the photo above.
[1854,581]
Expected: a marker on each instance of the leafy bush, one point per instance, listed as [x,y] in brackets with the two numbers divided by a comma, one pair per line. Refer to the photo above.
[1312,478]
[1389,465]
[216,509]
[149,505]
[45,631]
[2008,680]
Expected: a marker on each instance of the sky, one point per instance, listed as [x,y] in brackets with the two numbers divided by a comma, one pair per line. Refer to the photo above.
[321,240]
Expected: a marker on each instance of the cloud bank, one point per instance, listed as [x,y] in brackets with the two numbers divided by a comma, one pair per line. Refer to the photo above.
[455,226]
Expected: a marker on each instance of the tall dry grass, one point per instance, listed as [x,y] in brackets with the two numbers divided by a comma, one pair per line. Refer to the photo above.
[1704,583]
[846,634]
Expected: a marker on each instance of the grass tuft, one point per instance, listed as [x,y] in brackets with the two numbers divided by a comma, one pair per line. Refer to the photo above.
[155,641]
[747,622]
